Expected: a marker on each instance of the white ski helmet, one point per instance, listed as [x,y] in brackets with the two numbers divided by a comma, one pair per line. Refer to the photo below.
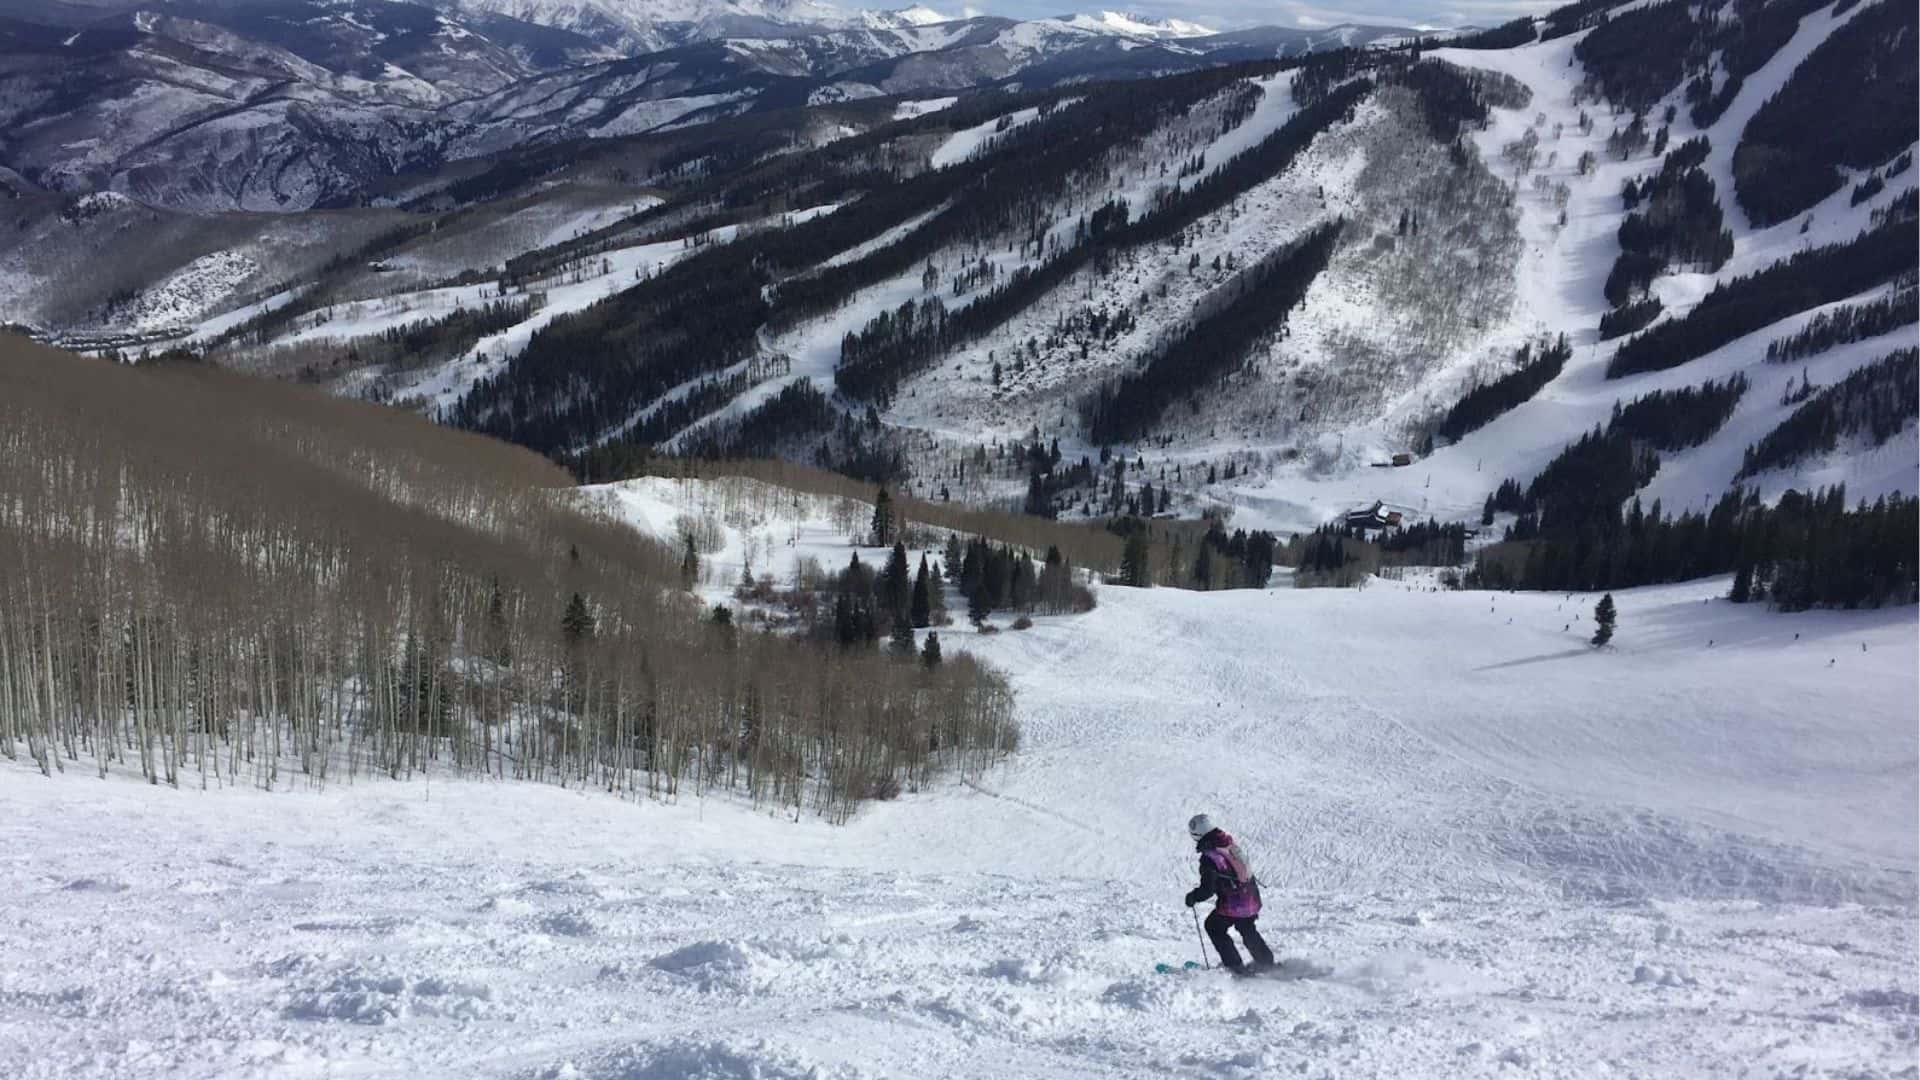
[1199,825]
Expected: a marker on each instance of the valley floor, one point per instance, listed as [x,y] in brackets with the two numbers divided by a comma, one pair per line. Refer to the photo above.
[1491,850]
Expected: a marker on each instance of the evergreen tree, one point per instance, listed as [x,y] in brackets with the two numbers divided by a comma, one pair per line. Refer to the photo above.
[426,700]
[1039,502]
[689,567]
[843,628]
[1203,567]
[1020,586]
[498,631]
[954,557]
[1135,567]
[896,587]
[930,653]
[1603,616]
[900,641]
[884,523]
[936,596]
[977,606]
[922,606]
[577,624]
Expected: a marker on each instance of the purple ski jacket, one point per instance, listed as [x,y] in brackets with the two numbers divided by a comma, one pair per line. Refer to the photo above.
[1226,874]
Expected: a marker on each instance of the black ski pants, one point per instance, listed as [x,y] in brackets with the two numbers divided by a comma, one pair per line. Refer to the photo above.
[1217,927]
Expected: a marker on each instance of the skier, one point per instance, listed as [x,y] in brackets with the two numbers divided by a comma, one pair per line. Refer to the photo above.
[1226,876]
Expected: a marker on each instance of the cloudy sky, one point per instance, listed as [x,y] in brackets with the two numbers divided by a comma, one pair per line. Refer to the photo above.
[1226,14]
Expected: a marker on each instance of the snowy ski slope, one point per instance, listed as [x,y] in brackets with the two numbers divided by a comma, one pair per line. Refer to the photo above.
[1500,852]
[1558,282]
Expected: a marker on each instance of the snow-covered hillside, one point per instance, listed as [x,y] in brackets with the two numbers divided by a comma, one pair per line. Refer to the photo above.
[1487,850]
[1481,194]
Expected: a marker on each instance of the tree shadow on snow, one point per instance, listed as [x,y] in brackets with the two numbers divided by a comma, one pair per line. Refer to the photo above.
[1564,654]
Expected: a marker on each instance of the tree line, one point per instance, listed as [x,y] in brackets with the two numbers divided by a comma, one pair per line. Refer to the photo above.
[1336,555]
[1255,306]
[885,356]
[1809,550]
[1674,218]
[1877,401]
[1485,403]
[1853,103]
[1583,488]
[1750,302]
[1843,326]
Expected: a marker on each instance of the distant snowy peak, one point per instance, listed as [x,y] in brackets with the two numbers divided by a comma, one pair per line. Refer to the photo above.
[637,26]
[1115,22]
[642,25]
[918,15]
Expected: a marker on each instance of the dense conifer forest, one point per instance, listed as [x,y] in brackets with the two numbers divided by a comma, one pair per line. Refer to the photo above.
[1535,367]
[1809,550]
[1875,402]
[1748,303]
[1251,308]
[1676,221]
[1855,322]
[1793,150]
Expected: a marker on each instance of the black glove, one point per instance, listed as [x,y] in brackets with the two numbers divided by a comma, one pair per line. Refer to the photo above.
[1194,897]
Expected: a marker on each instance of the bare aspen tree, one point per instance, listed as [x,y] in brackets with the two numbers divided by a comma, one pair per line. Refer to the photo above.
[210,579]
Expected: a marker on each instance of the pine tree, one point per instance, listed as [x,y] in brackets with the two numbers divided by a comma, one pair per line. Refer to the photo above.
[843,628]
[1134,567]
[1603,616]
[1203,567]
[922,608]
[689,567]
[930,653]
[883,526]
[1020,585]
[1039,503]
[978,607]
[896,586]
[954,557]
[577,624]
[900,641]
[936,596]
[1742,583]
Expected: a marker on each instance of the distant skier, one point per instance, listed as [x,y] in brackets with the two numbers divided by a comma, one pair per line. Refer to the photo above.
[1226,876]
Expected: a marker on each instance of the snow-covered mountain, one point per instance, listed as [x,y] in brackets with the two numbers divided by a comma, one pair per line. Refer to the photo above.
[1440,221]
[292,104]
[1145,26]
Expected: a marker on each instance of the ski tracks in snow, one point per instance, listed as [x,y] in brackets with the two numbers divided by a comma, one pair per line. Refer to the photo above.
[525,933]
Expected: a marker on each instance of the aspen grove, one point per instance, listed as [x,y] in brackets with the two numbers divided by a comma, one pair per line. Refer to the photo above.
[217,580]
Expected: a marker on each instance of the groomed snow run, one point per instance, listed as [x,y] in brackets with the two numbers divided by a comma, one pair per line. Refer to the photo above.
[1489,850]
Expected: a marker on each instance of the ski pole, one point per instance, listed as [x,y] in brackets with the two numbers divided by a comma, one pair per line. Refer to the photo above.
[1204,962]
